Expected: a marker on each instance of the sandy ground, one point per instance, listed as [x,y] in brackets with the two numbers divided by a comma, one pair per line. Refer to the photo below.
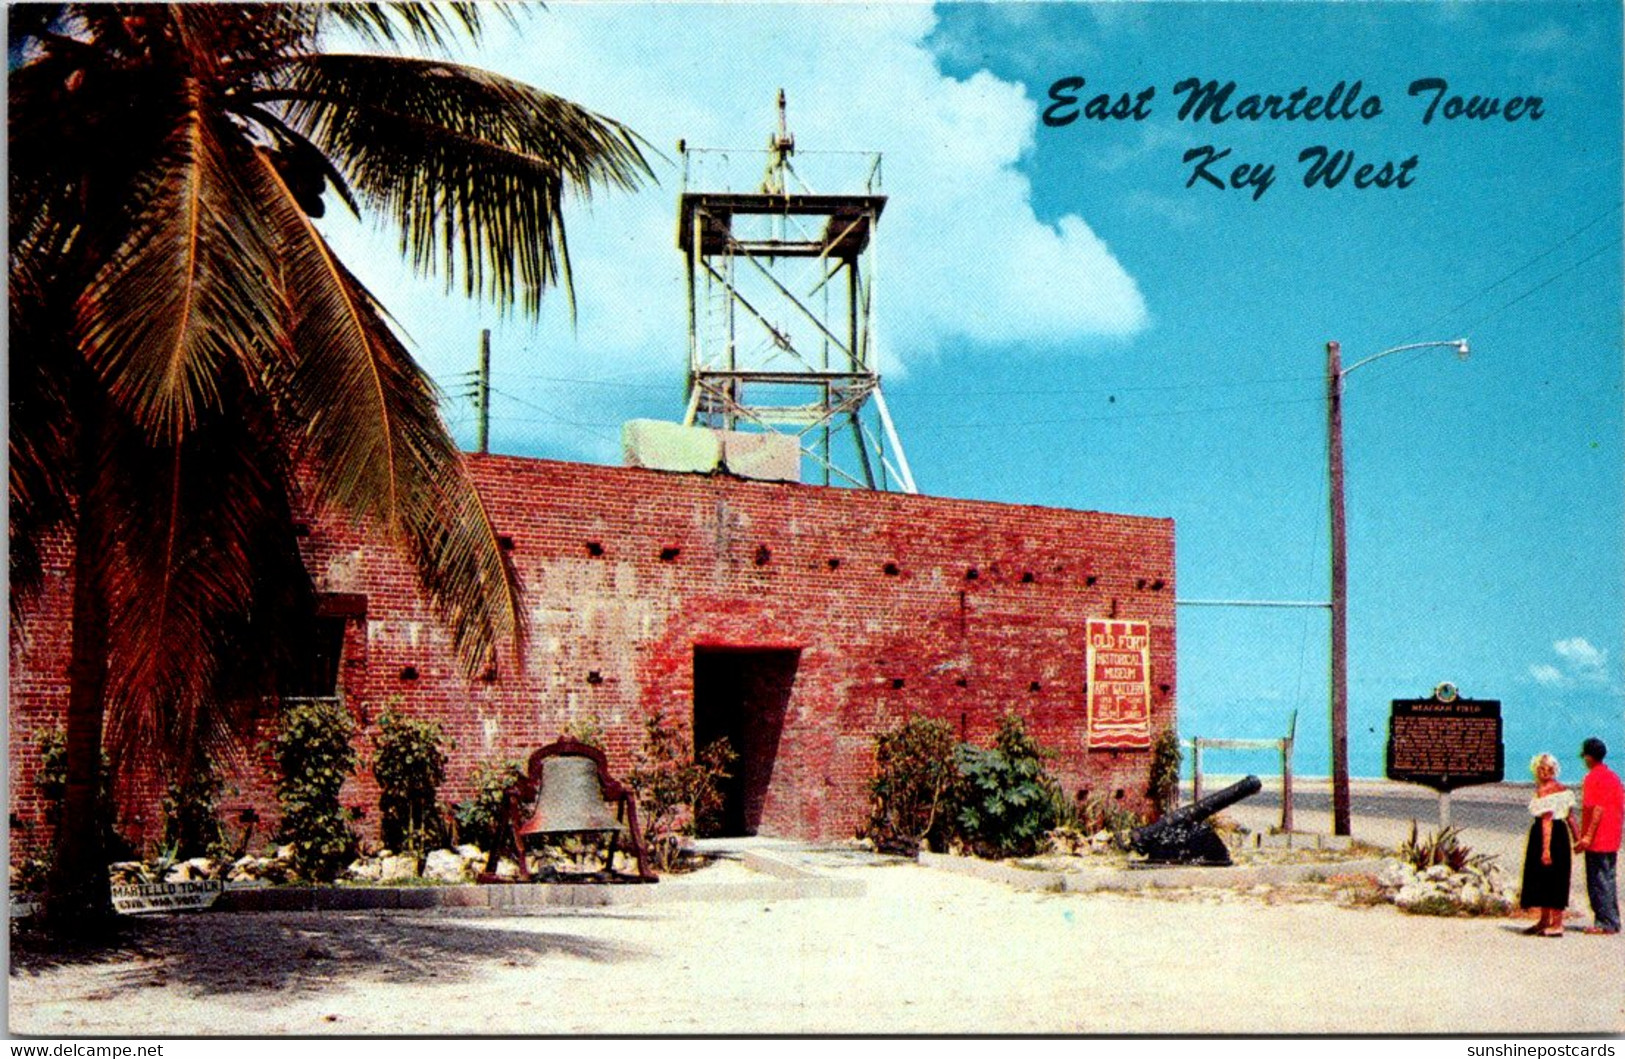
[924,951]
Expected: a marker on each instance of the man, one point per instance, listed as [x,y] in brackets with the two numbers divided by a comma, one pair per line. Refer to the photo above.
[1602,805]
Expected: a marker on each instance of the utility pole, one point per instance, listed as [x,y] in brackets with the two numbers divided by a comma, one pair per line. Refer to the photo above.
[482,394]
[1340,587]
[1335,374]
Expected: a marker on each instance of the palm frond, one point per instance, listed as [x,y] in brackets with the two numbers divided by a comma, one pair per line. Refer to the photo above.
[371,435]
[472,167]
[428,25]
[189,299]
[195,525]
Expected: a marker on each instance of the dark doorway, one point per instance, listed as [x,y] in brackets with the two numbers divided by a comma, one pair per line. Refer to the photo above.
[740,694]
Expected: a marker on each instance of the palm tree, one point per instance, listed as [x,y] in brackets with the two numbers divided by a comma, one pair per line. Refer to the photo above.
[190,362]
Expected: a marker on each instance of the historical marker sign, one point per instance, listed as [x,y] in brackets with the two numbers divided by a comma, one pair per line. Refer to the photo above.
[1445,742]
[1119,699]
[141,898]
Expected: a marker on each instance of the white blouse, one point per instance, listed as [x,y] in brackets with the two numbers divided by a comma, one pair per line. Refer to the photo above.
[1558,803]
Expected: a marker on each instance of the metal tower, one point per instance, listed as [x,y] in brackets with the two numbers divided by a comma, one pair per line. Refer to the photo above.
[781,303]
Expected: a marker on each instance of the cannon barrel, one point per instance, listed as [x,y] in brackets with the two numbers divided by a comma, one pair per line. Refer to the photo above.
[1209,804]
[1183,835]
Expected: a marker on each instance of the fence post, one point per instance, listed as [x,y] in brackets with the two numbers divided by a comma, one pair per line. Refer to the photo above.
[1196,768]
[1286,784]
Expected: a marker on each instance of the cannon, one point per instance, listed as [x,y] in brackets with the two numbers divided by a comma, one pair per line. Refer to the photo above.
[1184,836]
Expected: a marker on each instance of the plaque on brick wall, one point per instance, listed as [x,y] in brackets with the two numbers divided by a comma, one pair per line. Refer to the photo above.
[1445,742]
[1119,696]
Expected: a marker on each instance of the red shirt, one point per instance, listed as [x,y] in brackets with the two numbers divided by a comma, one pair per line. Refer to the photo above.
[1603,795]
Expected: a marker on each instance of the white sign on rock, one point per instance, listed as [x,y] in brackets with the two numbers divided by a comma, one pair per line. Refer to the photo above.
[166,897]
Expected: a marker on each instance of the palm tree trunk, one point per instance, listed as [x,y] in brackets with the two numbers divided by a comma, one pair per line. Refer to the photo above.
[78,898]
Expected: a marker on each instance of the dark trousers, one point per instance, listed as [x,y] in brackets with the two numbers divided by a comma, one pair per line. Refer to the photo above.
[1602,886]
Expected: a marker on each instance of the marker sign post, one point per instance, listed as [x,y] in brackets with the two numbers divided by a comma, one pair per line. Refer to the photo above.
[1445,742]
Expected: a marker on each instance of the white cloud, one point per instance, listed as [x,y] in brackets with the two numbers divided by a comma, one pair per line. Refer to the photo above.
[962,257]
[1548,675]
[1580,664]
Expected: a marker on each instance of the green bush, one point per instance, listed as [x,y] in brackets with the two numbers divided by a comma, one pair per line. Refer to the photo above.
[1006,795]
[314,755]
[410,765]
[1163,786]
[913,792]
[192,826]
[480,820]
[585,730]
[678,791]
[52,781]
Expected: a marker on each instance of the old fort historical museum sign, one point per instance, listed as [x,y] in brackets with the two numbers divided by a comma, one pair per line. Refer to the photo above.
[1119,698]
[1445,742]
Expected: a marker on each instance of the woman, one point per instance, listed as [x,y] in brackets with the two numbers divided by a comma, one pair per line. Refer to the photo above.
[1547,858]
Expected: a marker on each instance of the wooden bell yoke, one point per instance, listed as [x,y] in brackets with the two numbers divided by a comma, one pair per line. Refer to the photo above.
[566,790]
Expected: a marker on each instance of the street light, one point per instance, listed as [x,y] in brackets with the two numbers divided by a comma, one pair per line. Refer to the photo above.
[1335,374]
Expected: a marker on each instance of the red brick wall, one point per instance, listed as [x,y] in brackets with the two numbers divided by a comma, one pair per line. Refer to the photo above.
[875,590]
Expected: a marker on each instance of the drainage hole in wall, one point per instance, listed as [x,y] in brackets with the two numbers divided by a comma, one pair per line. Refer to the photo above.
[890,570]
[897,684]
[764,555]
[595,549]
[669,554]
[972,574]
[1028,577]
[1090,580]
[1034,686]
[595,677]
[409,672]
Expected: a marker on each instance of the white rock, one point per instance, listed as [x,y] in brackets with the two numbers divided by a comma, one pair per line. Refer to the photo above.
[507,869]
[180,873]
[470,852]
[364,871]
[1437,873]
[393,868]
[1413,895]
[1471,895]
[443,865]
[1393,875]
[285,852]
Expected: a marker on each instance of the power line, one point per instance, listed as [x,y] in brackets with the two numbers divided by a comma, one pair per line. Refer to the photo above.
[1587,226]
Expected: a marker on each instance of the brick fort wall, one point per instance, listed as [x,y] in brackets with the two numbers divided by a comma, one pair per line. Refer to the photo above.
[867,607]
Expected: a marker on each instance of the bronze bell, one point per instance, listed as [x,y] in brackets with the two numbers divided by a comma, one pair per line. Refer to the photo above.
[570,799]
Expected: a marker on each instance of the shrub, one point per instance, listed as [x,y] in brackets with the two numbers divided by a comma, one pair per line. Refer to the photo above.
[1096,813]
[1163,785]
[585,730]
[314,755]
[190,805]
[409,765]
[480,820]
[1006,796]
[914,786]
[677,792]
[52,781]
[1443,847]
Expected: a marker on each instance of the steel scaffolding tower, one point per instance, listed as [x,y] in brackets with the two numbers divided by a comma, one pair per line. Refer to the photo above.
[781,297]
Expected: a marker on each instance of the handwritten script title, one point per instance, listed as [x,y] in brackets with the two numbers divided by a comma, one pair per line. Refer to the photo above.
[1326,167]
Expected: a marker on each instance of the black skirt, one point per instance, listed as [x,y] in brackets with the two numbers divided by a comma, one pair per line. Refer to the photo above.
[1546,885]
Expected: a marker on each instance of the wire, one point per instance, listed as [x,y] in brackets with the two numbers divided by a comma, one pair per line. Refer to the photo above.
[1587,226]
[586,428]
[1121,418]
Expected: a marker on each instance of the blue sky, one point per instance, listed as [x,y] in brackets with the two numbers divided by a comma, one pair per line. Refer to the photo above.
[1065,322]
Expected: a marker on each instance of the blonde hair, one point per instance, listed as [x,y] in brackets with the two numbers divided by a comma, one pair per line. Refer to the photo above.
[1542,759]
